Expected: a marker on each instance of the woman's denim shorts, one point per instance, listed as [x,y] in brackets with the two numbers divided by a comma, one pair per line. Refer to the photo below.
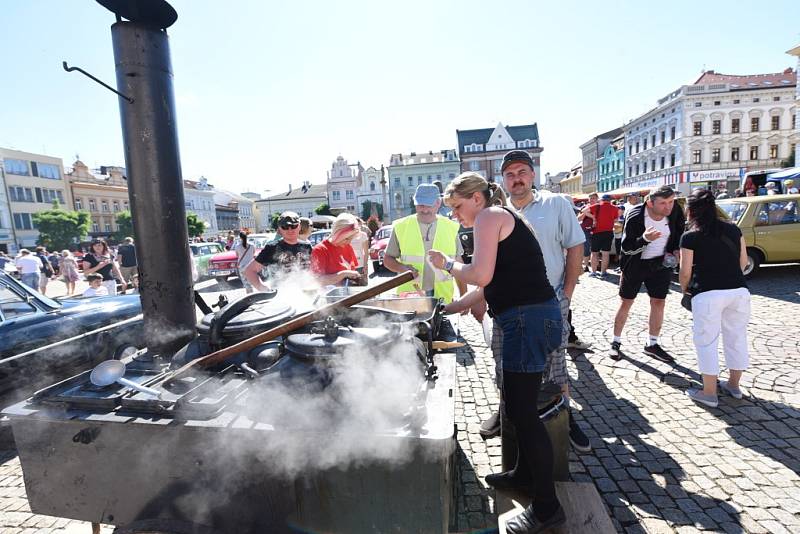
[530,333]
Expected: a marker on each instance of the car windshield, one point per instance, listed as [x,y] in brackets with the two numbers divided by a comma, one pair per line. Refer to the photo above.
[734,210]
[22,288]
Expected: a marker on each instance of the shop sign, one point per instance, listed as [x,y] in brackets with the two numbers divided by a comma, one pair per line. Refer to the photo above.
[715,175]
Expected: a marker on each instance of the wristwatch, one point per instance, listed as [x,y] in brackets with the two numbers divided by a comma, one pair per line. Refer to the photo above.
[448,265]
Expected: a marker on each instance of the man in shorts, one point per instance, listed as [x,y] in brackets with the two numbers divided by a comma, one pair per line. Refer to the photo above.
[650,245]
[604,215]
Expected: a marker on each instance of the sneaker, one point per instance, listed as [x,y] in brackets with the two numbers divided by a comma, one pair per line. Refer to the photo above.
[698,396]
[506,481]
[578,345]
[491,427]
[736,393]
[602,276]
[658,353]
[616,352]
[594,274]
[579,440]
[527,523]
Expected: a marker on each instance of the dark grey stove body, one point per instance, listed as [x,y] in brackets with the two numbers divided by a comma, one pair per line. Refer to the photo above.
[206,453]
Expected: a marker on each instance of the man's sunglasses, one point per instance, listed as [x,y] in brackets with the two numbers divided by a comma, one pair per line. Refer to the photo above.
[287,226]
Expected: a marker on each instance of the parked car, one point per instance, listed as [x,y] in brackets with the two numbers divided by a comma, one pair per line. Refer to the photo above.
[317,237]
[201,254]
[377,250]
[770,225]
[30,323]
[223,265]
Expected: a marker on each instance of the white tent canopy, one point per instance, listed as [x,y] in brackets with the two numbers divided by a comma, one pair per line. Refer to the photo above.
[323,219]
[793,172]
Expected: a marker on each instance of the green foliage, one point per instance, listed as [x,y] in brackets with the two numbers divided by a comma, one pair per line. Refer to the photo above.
[788,162]
[195,224]
[323,209]
[58,228]
[366,209]
[277,216]
[124,226]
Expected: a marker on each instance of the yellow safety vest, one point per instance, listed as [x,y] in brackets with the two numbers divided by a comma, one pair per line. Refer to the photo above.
[412,252]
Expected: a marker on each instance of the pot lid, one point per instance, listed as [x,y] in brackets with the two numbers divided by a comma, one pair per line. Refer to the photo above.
[257,315]
[327,339]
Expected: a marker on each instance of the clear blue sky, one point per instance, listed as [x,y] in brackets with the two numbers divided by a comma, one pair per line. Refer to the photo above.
[272,92]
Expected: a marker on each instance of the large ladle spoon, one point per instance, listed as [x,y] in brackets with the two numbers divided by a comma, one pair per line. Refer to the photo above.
[110,371]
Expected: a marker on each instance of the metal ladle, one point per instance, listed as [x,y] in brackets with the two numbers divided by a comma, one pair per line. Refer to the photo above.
[110,371]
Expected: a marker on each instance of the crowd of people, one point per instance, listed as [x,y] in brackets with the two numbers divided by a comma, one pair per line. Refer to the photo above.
[530,248]
[528,258]
[114,267]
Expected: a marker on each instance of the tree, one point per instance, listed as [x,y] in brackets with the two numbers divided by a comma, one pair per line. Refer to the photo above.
[323,209]
[124,220]
[275,218]
[788,162]
[367,207]
[124,225]
[196,225]
[58,228]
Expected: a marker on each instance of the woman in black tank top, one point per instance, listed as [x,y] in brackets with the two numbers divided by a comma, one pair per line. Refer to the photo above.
[509,270]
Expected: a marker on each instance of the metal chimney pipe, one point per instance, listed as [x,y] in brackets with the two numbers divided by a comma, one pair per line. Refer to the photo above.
[155,184]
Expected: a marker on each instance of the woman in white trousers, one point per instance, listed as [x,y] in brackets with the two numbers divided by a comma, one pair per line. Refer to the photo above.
[713,256]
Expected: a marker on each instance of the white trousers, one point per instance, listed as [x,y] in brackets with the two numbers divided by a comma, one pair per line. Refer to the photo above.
[111,285]
[726,312]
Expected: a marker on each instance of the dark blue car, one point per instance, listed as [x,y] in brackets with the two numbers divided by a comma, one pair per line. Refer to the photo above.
[44,340]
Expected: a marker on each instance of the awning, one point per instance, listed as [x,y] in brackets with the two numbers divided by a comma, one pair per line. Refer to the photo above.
[793,172]
[622,191]
[322,219]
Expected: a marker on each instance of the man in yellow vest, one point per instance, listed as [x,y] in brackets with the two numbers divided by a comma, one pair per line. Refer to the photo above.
[412,238]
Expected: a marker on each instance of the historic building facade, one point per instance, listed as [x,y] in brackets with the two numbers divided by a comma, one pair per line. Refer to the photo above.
[482,150]
[407,171]
[591,151]
[611,165]
[571,184]
[33,182]
[344,181]
[103,195]
[302,200]
[710,133]
[198,197]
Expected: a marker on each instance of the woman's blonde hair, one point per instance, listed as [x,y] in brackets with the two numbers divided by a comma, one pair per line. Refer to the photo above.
[344,224]
[468,183]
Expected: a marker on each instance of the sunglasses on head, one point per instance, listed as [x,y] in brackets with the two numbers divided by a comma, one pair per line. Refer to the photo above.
[289,226]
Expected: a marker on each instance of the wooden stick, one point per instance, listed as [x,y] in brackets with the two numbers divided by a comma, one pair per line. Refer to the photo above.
[290,326]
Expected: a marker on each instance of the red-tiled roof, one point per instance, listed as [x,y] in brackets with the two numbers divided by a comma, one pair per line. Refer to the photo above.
[786,78]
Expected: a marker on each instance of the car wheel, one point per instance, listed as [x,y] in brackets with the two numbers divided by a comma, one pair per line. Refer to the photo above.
[753,262]
[222,280]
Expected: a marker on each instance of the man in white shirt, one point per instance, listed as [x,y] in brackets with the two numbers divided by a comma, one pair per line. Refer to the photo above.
[29,267]
[650,240]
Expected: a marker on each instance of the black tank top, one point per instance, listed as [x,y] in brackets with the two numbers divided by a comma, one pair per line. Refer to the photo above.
[520,276]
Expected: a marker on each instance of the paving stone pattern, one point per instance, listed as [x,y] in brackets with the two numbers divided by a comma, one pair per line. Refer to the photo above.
[660,462]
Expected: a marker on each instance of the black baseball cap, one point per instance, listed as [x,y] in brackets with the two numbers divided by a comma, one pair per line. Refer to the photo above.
[516,156]
[289,218]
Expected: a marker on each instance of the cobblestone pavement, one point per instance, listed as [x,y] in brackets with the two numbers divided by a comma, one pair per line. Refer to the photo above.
[660,462]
